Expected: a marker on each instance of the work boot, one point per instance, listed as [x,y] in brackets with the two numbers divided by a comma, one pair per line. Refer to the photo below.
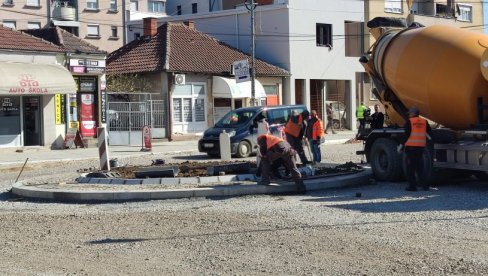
[301,189]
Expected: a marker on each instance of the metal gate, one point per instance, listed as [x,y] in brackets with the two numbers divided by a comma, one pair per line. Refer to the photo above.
[129,113]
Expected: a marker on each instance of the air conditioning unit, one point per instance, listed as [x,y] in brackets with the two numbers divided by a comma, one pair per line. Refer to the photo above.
[180,79]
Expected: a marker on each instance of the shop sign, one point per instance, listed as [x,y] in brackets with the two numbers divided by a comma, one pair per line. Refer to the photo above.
[104,107]
[28,84]
[78,69]
[8,105]
[87,84]
[97,70]
[87,62]
[60,109]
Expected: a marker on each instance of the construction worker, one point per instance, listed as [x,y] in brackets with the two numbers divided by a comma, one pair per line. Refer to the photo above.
[416,132]
[294,130]
[315,132]
[272,149]
[360,114]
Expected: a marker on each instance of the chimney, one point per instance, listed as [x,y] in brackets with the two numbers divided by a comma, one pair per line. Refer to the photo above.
[190,24]
[150,26]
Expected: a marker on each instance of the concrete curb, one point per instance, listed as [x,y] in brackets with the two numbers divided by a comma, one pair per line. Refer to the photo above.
[236,189]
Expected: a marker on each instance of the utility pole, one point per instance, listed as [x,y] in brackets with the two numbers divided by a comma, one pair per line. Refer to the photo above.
[251,8]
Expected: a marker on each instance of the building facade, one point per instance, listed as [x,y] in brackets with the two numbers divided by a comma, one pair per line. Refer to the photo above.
[34,87]
[101,22]
[318,42]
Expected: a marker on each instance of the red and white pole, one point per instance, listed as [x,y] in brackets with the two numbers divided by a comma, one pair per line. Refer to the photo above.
[103,149]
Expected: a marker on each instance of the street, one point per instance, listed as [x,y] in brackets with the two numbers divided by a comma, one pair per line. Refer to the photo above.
[385,231]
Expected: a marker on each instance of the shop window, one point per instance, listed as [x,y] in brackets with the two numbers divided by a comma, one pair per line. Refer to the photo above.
[10,115]
[189,103]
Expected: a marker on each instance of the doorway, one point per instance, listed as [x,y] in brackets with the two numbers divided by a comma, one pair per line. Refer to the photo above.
[31,120]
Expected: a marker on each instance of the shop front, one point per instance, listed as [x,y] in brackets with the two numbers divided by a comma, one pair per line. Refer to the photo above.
[31,108]
[85,106]
[228,94]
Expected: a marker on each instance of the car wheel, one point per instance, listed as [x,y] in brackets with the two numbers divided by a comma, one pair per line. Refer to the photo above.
[244,149]
[336,124]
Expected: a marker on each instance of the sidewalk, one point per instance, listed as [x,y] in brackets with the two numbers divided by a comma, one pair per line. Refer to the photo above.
[11,156]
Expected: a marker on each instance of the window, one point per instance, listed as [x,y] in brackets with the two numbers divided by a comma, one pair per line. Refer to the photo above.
[10,24]
[8,2]
[33,25]
[32,3]
[113,5]
[134,5]
[324,35]
[178,10]
[465,12]
[92,4]
[137,36]
[354,39]
[114,31]
[194,8]
[93,30]
[155,6]
[189,103]
[394,6]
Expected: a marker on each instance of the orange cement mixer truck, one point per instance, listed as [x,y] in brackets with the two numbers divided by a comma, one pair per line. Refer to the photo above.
[441,70]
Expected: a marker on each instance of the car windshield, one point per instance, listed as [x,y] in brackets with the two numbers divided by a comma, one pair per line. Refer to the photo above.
[236,118]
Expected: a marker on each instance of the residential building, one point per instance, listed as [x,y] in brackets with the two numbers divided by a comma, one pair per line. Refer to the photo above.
[33,84]
[192,78]
[100,22]
[318,42]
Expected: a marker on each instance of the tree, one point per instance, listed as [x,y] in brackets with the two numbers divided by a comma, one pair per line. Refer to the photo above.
[128,83]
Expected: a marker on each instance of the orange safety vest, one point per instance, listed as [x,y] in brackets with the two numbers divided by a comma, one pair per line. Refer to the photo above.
[418,135]
[270,140]
[317,129]
[294,128]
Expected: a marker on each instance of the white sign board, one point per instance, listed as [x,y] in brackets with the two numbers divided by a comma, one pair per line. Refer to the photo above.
[241,70]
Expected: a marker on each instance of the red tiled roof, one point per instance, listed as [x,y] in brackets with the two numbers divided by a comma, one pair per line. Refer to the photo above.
[16,40]
[179,48]
[65,39]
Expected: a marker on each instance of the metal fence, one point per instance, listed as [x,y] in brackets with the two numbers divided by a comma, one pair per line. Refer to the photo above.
[129,113]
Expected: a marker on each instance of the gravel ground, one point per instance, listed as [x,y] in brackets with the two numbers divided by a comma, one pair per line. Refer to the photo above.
[386,231]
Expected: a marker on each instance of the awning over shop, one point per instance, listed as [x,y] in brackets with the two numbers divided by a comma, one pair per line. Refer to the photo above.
[17,78]
[228,88]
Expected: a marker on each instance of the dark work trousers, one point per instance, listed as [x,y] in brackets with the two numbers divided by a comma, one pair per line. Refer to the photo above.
[296,144]
[414,166]
[284,152]
[362,125]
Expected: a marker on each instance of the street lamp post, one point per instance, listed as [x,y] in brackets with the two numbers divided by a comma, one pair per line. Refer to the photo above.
[251,7]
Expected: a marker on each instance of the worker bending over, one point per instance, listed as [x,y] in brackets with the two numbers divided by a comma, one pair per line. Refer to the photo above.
[272,149]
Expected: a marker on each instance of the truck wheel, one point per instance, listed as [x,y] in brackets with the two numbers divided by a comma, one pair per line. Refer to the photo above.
[386,162]
[244,149]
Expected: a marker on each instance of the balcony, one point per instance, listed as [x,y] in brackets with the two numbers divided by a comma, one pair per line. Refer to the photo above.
[64,13]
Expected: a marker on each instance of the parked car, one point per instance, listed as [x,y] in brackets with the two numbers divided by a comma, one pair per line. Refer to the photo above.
[242,125]
[338,114]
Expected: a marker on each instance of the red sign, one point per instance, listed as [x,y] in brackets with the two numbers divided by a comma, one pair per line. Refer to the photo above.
[146,135]
[27,84]
[88,124]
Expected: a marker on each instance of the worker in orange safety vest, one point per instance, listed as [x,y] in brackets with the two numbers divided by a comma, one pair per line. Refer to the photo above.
[417,132]
[274,149]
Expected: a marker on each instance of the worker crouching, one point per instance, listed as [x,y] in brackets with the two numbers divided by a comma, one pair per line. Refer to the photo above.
[274,149]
